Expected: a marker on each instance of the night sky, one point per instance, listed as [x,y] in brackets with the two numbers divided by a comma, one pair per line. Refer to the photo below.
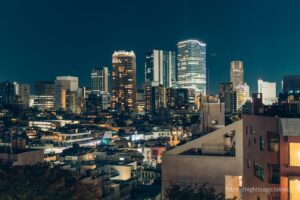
[42,39]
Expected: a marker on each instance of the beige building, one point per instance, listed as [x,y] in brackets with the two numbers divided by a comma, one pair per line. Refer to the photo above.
[213,115]
[236,72]
[64,85]
[215,159]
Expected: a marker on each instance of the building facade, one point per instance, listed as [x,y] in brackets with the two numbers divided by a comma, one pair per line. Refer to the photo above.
[24,95]
[63,85]
[191,61]
[7,93]
[268,91]
[236,73]
[271,157]
[228,96]
[160,68]
[100,80]
[243,94]
[124,80]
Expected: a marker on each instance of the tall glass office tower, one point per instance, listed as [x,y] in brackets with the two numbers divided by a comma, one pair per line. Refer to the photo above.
[191,61]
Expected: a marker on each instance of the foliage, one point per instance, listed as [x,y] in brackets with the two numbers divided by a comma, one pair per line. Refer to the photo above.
[40,182]
[193,192]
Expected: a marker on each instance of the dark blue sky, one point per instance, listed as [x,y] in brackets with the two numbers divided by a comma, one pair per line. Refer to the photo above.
[42,39]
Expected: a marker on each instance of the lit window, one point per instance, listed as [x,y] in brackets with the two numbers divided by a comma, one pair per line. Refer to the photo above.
[294,154]
[294,188]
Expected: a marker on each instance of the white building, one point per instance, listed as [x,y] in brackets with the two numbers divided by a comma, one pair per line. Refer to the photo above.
[243,94]
[268,90]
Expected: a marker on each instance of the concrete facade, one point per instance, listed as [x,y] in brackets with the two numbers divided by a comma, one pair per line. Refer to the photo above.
[211,166]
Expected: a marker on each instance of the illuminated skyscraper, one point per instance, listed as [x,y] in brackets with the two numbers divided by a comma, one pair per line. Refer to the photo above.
[63,85]
[43,98]
[268,90]
[236,73]
[191,60]
[160,68]
[124,80]
[99,80]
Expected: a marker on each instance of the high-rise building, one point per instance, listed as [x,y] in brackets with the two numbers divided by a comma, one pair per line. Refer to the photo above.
[24,95]
[181,99]
[158,99]
[7,93]
[228,96]
[236,73]
[268,90]
[191,60]
[290,93]
[43,95]
[160,68]
[291,84]
[64,84]
[140,101]
[44,88]
[99,80]
[124,81]
[242,92]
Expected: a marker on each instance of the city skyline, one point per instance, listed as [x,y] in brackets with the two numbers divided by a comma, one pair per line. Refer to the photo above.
[86,39]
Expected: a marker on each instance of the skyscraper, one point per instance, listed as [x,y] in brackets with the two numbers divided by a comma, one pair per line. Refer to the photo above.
[99,80]
[24,94]
[124,80]
[291,84]
[268,90]
[63,85]
[229,97]
[7,93]
[191,60]
[236,73]
[160,68]
[43,98]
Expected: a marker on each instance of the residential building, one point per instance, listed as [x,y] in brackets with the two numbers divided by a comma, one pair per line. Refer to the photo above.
[271,157]
[215,159]
[124,81]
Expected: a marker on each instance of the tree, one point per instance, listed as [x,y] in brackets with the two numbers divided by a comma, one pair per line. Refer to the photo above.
[193,192]
[40,182]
